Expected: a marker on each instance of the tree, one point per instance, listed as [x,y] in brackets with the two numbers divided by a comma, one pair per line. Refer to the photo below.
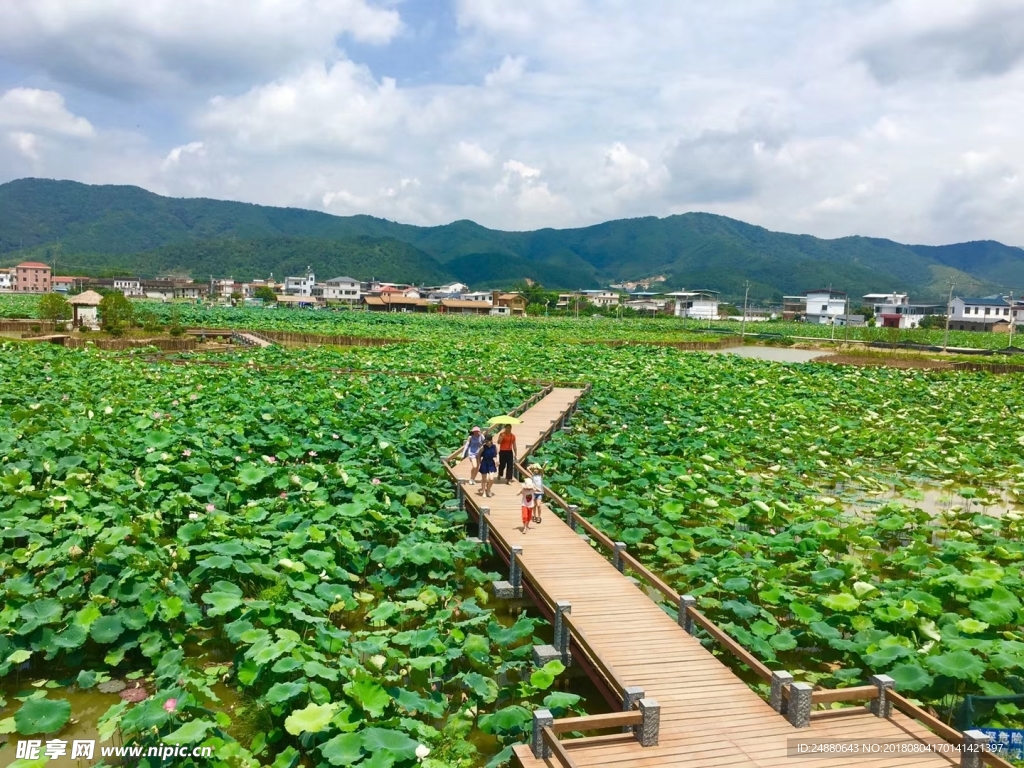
[265,293]
[937,322]
[116,313]
[53,306]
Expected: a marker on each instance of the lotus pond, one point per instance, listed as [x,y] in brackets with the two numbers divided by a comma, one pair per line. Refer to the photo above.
[271,546]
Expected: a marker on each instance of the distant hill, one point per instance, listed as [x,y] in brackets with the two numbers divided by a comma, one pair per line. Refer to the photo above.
[104,228]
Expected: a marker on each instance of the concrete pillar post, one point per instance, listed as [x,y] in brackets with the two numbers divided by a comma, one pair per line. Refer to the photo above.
[974,748]
[799,709]
[562,607]
[484,524]
[630,697]
[515,573]
[618,548]
[882,706]
[686,602]
[780,681]
[541,718]
[647,733]
[570,516]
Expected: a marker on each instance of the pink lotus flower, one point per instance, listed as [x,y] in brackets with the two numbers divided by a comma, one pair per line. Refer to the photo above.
[170,705]
[175,402]
[211,508]
[157,415]
[284,495]
[376,481]
[270,459]
[312,453]
[186,453]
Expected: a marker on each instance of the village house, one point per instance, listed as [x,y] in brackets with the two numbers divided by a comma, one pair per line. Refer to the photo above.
[302,285]
[84,309]
[477,296]
[395,302]
[6,280]
[603,299]
[508,304]
[697,305]
[168,288]
[464,307]
[793,307]
[823,305]
[894,310]
[129,286]
[62,283]
[32,277]
[988,313]
[338,289]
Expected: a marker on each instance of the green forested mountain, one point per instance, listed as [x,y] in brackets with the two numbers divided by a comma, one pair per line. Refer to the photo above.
[130,229]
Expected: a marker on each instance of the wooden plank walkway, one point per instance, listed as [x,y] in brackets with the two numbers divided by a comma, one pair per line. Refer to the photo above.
[709,717]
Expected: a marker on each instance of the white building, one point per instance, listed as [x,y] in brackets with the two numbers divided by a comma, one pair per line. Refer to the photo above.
[700,305]
[300,286]
[894,310]
[6,281]
[823,306]
[988,309]
[602,299]
[477,296]
[129,286]
[339,289]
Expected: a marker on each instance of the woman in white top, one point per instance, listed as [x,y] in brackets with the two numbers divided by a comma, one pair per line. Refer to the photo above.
[537,480]
[471,450]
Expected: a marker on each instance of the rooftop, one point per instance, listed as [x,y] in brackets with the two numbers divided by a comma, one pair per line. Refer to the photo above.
[34,265]
[990,301]
[87,299]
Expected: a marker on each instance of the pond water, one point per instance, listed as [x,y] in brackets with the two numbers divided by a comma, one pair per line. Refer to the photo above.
[935,499]
[773,354]
[86,708]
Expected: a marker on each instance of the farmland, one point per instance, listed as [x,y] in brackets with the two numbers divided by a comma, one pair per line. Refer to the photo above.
[279,536]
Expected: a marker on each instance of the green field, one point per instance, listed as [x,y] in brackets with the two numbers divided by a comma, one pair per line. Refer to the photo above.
[271,544]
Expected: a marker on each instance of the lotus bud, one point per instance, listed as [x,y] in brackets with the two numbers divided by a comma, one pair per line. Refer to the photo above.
[422,751]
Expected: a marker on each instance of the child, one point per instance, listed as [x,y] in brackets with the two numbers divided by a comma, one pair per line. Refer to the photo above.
[537,480]
[527,492]
[471,450]
[487,466]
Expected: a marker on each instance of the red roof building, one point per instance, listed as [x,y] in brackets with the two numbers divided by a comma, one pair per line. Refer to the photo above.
[32,277]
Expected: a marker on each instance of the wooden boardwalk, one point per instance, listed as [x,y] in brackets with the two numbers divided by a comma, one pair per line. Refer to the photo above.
[708,716]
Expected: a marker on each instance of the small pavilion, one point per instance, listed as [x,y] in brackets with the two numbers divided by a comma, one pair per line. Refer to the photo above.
[85,306]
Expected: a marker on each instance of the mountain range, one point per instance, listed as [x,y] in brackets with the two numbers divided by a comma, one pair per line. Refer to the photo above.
[122,229]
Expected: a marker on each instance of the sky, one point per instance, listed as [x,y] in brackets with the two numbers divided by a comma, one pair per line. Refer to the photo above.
[883,118]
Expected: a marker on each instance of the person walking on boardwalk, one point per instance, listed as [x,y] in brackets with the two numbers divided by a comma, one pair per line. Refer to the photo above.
[528,494]
[471,450]
[506,453]
[537,480]
[488,467]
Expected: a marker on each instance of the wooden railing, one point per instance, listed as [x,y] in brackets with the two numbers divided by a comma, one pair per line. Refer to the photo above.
[546,736]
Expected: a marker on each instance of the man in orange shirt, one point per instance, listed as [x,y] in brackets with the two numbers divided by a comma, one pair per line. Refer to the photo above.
[506,453]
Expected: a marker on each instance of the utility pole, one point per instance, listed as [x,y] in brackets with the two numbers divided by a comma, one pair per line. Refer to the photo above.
[949,311]
[1013,319]
[743,321]
[847,319]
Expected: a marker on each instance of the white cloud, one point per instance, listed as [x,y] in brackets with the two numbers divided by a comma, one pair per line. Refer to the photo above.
[174,156]
[336,109]
[31,108]
[115,45]
[26,143]
[510,70]
[469,157]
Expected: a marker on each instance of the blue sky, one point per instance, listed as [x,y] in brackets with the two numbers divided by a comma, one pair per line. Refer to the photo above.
[890,118]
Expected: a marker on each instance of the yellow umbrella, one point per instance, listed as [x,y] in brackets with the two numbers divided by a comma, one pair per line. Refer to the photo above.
[503,420]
